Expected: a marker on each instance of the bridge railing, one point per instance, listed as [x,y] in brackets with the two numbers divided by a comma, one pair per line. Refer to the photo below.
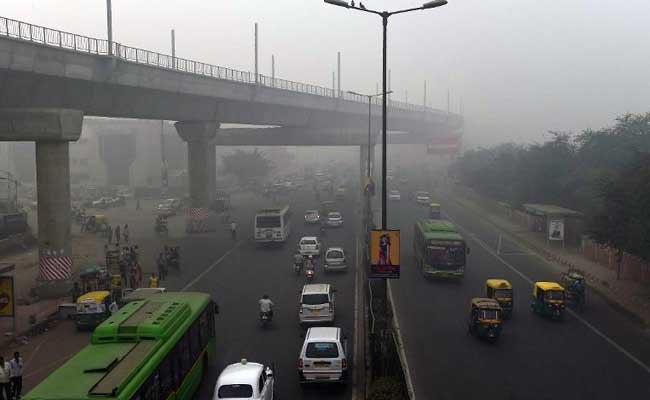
[71,41]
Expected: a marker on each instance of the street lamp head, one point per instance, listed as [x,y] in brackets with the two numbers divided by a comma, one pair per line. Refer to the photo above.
[339,3]
[434,4]
[389,92]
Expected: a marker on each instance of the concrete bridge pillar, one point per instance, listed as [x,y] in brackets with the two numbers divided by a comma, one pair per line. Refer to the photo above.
[52,130]
[201,159]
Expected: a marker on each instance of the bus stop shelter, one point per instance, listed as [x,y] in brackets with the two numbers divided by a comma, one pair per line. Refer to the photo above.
[559,224]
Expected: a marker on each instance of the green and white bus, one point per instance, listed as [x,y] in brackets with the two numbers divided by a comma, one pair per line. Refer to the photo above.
[439,249]
[151,349]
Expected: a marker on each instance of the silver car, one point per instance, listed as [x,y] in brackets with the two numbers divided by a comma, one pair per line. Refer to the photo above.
[334,219]
[335,259]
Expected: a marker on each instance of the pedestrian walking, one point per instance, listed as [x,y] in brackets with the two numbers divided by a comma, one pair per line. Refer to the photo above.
[75,292]
[137,275]
[109,233]
[153,281]
[16,368]
[5,376]
[162,266]
[125,233]
[117,235]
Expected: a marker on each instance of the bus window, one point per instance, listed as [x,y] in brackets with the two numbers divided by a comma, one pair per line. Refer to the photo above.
[185,355]
[166,377]
[195,342]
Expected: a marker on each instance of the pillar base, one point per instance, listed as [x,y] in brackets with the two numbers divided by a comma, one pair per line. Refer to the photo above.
[201,159]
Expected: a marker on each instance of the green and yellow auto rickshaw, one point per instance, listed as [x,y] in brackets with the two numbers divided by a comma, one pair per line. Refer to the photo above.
[501,291]
[485,318]
[434,211]
[549,299]
[92,309]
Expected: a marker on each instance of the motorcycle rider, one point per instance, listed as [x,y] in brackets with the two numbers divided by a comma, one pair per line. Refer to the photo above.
[298,260]
[266,306]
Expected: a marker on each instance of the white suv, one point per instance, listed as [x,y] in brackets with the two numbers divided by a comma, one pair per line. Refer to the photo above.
[334,259]
[316,304]
[323,356]
[245,380]
[309,246]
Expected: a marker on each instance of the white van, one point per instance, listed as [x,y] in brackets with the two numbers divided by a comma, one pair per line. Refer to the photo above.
[323,356]
[316,304]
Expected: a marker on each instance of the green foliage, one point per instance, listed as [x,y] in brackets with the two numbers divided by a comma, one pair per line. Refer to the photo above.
[246,165]
[387,388]
[625,223]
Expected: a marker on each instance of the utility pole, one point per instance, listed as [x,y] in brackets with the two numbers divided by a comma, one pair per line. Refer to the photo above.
[334,83]
[173,49]
[272,70]
[109,26]
[257,78]
[338,57]
[406,96]
[390,86]
[424,102]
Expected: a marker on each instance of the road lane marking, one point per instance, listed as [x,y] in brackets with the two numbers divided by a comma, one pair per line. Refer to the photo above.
[499,243]
[211,266]
[586,323]
[400,347]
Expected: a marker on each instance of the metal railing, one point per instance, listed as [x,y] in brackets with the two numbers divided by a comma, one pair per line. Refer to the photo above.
[51,37]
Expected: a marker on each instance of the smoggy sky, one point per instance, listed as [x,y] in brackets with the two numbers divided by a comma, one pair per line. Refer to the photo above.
[521,67]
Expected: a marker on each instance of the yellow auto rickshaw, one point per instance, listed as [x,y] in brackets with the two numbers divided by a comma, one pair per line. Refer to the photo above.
[549,299]
[501,291]
[96,223]
[434,211]
[485,318]
[92,309]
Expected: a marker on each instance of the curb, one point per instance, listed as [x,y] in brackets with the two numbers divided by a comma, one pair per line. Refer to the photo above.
[593,282]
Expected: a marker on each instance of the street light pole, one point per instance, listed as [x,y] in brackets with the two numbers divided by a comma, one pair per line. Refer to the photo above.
[384,18]
[109,26]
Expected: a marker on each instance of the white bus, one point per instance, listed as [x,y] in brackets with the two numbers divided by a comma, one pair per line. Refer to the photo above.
[273,224]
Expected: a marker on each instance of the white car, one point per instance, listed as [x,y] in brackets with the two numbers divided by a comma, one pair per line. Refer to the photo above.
[309,246]
[316,304]
[102,202]
[334,219]
[335,259]
[422,197]
[323,356]
[245,380]
[394,195]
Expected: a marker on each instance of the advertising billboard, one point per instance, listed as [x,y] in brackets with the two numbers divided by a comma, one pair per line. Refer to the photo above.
[384,254]
[6,296]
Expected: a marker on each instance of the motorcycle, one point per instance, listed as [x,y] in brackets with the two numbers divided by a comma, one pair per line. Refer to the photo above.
[310,275]
[297,268]
[266,317]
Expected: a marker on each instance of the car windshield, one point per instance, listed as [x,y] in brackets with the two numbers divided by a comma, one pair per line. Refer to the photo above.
[268,222]
[322,350]
[554,295]
[422,194]
[235,392]
[308,242]
[335,215]
[489,314]
[394,192]
[503,293]
[315,299]
[334,254]
[312,213]
[451,256]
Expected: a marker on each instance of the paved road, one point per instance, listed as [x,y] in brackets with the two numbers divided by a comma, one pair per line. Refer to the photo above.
[237,273]
[240,277]
[535,358]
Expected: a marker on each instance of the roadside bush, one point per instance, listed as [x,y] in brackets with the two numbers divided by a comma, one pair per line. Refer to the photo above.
[387,388]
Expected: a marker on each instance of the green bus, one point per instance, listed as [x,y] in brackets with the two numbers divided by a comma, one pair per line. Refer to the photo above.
[152,349]
[439,249]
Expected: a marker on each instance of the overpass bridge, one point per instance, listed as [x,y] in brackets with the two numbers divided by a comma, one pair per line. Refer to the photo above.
[50,80]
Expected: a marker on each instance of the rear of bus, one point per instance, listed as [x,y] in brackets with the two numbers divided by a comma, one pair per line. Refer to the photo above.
[271,226]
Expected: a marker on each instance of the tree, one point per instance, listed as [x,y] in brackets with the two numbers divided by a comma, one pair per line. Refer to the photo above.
[247,165]
[624,224]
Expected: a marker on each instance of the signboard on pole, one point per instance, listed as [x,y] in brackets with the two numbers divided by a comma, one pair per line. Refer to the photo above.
[384,254]
[7,296]
[556,229]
